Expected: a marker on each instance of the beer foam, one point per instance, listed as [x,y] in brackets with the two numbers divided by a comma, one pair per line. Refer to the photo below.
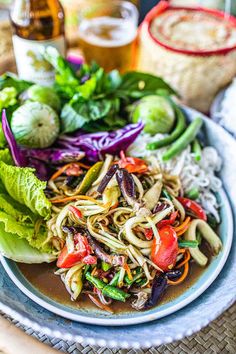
[120,31]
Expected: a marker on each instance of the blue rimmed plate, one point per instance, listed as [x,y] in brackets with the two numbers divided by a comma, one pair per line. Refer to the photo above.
[130,318]
[218,297]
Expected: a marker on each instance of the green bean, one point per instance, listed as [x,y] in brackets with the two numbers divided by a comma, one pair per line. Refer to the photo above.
[99,284]
[179,128]
[138,275]
[141,281]
[184,140]
[115,279]
[188,244]
[196,149]
[107,290]
[115,293]
[193,193]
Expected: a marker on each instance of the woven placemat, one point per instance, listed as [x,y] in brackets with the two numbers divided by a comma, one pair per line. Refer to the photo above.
[218,337]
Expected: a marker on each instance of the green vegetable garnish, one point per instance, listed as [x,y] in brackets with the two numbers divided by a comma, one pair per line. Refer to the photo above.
[35,125]
[94,100]
[23,206]
[156,112]
[18,249]
[24,187]
[184,140]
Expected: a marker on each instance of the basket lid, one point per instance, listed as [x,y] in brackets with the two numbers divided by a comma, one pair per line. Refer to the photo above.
[164,6]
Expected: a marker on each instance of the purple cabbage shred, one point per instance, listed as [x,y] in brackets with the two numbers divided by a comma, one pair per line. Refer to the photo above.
[96,145]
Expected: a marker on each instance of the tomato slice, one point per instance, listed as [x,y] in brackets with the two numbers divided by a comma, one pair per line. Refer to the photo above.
[165,254]
[193,207]
[68,260]
[132,164]
[82,249]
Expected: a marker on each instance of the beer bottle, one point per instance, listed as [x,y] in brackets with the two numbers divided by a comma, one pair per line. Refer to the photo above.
[36,24]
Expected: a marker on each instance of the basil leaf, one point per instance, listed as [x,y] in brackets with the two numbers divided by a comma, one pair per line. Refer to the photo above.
[82,113]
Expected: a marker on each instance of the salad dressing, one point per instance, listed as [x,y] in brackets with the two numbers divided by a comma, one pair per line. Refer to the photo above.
[42,277]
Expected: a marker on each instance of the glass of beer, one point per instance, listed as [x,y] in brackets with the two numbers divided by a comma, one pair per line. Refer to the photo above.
[107,33]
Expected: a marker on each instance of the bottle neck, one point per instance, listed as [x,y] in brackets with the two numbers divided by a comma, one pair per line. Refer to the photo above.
[37,19]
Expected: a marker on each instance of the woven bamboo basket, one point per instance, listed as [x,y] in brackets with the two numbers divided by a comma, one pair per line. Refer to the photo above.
[196,75]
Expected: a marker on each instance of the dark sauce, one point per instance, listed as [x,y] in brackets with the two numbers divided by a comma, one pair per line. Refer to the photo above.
[42,277]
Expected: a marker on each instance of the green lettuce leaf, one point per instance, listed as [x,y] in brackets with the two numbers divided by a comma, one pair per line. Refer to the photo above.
[27,231]
[19,250]
[18,211]
[23,186]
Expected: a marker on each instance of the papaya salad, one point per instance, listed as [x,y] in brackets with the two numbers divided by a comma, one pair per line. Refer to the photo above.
[103,177]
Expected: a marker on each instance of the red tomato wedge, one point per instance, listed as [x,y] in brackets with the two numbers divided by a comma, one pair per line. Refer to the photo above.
[132,164]
[165,254]
[82,249]
[193,207]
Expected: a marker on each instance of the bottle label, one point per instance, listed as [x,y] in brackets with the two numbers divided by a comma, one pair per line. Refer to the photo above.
[31,65]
